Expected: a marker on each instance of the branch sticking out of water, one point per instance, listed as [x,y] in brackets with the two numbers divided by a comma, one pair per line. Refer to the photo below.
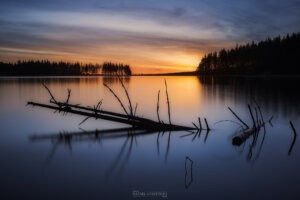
[116,96]
[69,95]
[238,118]
[52,96]
[207,127]
[168,102]
[128,97]
[157,107]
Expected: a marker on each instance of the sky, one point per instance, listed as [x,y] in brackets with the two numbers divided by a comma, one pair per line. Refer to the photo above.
[152,36]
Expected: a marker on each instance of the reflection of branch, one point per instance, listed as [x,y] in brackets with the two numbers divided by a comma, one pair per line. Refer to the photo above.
[188,178]
[157,143]
[294,139]
[168,146]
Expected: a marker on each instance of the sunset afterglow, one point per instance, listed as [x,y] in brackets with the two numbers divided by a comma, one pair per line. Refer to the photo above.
[151,36]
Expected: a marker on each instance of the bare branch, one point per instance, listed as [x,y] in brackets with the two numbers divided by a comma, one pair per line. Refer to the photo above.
[69,95]
[135,109]
[122,105]
[157,107]
[127,95]
[52,96]
[207,127]
[200,125]
[238,117]
[168,102]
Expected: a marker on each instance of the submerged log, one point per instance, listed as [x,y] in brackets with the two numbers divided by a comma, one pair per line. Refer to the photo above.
[240,139]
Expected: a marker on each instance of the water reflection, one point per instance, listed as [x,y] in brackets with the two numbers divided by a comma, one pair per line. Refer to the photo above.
[120,160]
[115,79]
[188,177]
[277,95]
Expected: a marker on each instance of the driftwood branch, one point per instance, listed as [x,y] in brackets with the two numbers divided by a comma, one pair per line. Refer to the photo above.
[200,125]
[168,102]
[157,106]
[207,127]
[50,93]
[238,140]
[128,97]
[116,96]
[238,118]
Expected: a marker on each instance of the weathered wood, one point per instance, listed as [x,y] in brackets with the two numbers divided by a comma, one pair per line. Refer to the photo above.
[238,140]
[139,122]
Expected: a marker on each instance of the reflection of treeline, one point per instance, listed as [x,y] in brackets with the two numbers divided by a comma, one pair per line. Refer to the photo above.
[272,56]
[109,68]
[47,68]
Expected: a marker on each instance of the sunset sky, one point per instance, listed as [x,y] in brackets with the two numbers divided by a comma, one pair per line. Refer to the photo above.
[152,36]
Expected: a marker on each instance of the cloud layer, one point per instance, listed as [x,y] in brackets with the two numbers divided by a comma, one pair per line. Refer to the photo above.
[165,35]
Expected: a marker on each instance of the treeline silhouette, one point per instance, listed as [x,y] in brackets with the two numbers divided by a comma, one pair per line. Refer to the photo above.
[47,68]
[273,56]
[120,69]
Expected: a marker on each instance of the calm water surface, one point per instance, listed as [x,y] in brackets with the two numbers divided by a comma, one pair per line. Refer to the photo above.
[176,165]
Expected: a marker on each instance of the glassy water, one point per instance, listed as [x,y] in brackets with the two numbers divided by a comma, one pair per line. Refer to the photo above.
[169,165]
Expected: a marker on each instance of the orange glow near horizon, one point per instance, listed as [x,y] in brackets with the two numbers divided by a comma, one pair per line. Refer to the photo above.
[142,60]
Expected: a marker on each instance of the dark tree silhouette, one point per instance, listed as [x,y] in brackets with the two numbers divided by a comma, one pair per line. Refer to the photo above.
[272,56]
[47,68]
[113,69]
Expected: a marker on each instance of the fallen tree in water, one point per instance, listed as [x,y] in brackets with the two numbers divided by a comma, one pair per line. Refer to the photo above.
[129,118]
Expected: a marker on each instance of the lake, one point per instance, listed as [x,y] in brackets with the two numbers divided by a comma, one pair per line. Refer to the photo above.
[164,165]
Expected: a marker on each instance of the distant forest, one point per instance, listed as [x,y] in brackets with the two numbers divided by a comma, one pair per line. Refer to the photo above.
[275,56]
[47,68]
[109,68]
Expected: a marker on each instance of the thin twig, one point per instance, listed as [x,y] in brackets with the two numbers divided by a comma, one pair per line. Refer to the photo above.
[116,98]
[238,117]
[195,126]
[207,127]
[127,95]
[168,102]
[69,95]
[200,125]
[52,96]
[135,109]
[157,107]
